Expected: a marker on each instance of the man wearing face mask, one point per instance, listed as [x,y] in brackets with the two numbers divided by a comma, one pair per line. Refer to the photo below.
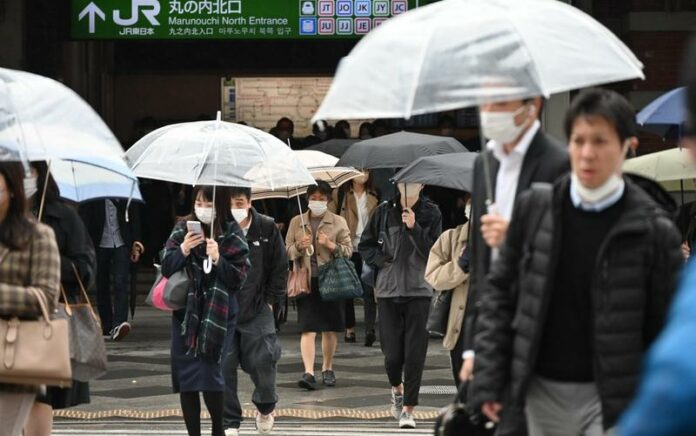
[397,242]
[580,290]
[255,346]
[518,154]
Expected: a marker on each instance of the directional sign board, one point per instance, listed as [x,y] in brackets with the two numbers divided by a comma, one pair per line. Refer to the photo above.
[231,19]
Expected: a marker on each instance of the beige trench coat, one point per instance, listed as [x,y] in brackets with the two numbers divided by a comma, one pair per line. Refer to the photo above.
[443,274]
[332,225]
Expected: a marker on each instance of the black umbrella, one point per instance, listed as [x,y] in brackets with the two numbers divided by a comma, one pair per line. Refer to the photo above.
[453,170]
[397,150]
[334,147]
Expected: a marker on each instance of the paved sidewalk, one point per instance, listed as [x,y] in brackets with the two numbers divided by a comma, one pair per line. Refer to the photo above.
[138,384]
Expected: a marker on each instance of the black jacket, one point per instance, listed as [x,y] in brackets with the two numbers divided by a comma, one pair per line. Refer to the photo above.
[93,213]
[545,161]
[635,275]
[400,255]
[267,279]
[74,244]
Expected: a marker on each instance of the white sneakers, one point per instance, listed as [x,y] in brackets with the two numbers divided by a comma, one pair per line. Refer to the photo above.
[397,404]
[120,331]
[264,423]
[406,420]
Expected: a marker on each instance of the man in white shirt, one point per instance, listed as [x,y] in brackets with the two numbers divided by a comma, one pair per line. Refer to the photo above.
[518,154]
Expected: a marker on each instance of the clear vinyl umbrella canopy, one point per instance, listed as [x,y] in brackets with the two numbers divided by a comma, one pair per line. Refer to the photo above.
[461,53]
[217,153]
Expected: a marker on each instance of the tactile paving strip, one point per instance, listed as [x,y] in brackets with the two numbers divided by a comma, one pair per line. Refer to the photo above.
[248,413]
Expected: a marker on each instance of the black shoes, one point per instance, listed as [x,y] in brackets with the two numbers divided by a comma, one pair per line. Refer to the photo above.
[370,338]
[329,378]
[350,338]
[308,382]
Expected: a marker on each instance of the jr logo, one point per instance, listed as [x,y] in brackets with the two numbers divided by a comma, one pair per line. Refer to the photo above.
[149,8]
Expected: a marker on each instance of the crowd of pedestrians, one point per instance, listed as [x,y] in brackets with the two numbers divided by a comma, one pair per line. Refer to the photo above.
[561,270]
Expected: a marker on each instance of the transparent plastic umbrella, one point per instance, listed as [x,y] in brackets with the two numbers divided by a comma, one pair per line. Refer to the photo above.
[321,166]
[41,120]
[460,53]
[217,153]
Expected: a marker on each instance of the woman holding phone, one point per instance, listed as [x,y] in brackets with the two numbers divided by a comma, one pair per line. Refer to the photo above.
[323,236]
[202,330]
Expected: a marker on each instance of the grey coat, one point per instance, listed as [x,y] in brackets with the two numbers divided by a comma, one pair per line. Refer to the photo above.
[399,254]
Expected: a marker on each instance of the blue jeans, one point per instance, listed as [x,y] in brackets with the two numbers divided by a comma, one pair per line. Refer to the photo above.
[113,263]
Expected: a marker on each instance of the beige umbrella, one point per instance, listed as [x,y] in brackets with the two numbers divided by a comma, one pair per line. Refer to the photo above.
[321,166]
[670,165]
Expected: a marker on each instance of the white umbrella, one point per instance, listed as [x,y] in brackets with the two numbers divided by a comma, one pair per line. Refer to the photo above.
[80,182]
[43,120]
[216,153]
[321,166]
[460,53]
[663,166]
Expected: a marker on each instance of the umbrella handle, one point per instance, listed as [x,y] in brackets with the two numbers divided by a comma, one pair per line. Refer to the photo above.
[208,265]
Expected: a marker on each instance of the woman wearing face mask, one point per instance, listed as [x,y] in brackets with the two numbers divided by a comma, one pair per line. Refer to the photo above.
[324,236]
[201,331]
[76,251]
[356,202]
[30,269]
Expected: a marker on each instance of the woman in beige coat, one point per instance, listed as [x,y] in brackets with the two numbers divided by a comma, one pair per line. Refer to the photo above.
[444,274]
[324,236]
[357,202]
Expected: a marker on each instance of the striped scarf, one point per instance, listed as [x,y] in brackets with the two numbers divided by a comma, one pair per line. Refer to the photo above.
[207,308]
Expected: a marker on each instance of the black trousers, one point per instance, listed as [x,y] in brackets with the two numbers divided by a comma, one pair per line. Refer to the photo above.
[370,306]
[456,356]
[404,342]
[113,263]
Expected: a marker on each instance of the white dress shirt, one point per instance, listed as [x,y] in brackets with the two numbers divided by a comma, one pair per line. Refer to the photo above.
[363,217]
[509,172]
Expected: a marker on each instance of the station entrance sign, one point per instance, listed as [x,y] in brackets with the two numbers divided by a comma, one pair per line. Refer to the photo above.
[231,19]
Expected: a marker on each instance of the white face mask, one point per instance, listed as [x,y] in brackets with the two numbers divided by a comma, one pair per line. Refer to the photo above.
[30,188]
[240,214]
[204,214]
[318,208]
[500,126]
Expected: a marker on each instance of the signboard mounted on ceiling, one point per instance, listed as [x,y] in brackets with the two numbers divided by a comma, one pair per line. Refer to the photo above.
[231,19]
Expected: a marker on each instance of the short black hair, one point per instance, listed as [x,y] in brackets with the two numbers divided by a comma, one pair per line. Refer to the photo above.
[607,104]
[287,121]
[321,187]
[237,191]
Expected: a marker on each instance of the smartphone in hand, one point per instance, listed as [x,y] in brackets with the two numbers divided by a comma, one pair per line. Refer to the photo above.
[194,227]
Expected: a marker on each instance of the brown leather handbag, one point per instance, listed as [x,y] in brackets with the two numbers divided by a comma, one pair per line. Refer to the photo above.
[35,352]
[299,280]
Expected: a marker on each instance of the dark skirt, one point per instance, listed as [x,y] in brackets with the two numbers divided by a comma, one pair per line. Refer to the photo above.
[59,398]
[315,315]
[195,373]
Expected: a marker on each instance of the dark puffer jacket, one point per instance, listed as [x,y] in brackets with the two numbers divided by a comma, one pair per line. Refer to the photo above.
[635,275]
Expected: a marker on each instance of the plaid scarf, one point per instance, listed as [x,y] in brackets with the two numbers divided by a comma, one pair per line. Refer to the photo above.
[207,308]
